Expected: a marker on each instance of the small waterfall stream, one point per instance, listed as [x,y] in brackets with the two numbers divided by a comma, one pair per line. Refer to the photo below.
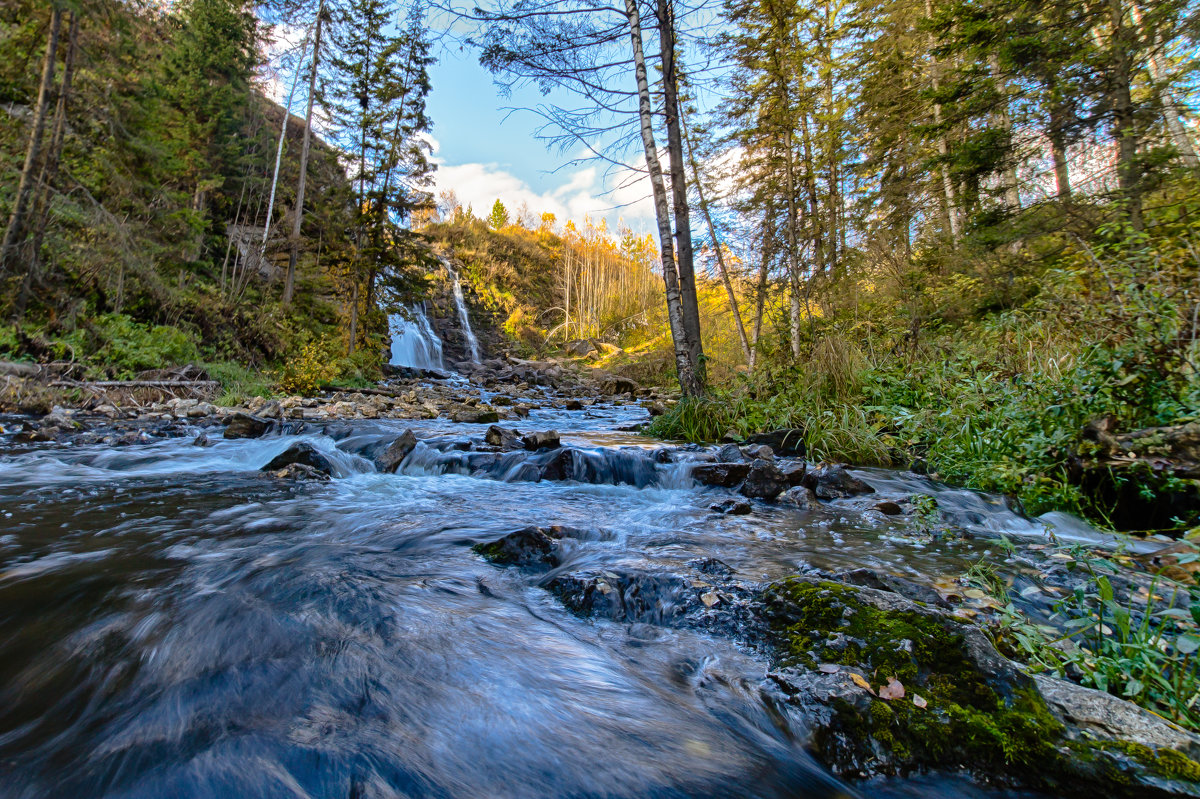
[414,342]
[461,305]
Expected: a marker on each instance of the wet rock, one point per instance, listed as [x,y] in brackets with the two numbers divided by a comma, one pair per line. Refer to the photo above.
[764,481]
[627,596]
[390,459]
[724,475]
[869,578]
[504,438]
[302,453]
[802,497]
[201,441]
[785,441]
[299,471]
[888,508]
[271,410]
[732,507]
[793,471]
[546,439]
[529,546]
[656,409]
[832,481]
[758,452]
[730,453]
[477,417]
[244,425]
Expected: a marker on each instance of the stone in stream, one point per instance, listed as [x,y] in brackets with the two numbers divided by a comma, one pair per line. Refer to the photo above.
[888,508]
[756,452]
[244,425]
[390,459]
[503,437]
[724,475]
[892,686]
[764,481]
[732,507]
[302,453]
[529,546]
[730,453]
[832,481]
[299,471]
[546,439]
[793,471]
[614,385]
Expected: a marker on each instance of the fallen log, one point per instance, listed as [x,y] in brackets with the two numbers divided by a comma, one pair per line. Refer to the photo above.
[165,384]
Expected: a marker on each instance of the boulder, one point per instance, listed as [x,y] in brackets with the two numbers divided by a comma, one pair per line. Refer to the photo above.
[390,458]
[546,439]
[724,475]
[244,425]
[888,508]
[758,452]
[892,686]
[615,385]
[503,437]
[303,453]
[832,481]
[730,453]
[793,471]
[802,497]
[529,546]
[764,481]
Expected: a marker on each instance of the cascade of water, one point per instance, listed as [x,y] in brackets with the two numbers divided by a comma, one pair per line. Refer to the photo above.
[414,343]
[461,305]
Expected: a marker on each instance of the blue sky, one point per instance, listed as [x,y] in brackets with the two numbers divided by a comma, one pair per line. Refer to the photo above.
[486,153]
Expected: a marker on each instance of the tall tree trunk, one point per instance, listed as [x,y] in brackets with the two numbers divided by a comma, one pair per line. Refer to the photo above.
[712,233]
[683,223]
[287,113]
[49,173]
[289,283]
[949,193]
[1172,109]
[760,290]
[1058,150]
[14,233]
[1122,45]
[689,379]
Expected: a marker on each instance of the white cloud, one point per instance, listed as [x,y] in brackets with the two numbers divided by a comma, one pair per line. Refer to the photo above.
[580,193]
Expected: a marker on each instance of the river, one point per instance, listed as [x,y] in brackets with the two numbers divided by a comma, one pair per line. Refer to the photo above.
[176,624]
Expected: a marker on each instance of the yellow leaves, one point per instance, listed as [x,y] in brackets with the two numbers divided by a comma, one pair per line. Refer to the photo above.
[893,690]
[861,682]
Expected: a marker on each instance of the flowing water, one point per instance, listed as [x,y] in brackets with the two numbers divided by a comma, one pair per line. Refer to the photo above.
[463,321]
[176,624]
[414,342]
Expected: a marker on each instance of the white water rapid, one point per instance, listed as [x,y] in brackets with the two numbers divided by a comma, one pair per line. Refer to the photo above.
[414,343]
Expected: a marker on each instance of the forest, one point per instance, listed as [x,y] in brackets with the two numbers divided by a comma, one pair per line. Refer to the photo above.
[884,385]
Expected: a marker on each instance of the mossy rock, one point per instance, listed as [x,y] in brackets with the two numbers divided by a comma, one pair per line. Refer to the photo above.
[981,712]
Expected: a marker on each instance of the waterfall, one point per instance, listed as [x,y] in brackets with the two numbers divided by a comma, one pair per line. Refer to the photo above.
[461,305]
[414,343]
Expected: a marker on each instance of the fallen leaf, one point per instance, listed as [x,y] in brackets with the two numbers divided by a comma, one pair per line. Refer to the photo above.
[893,690]
[974,593]
[965,613]
[603,587]
[828,668]
[1061,556]
[919,700]
[861,682]
[710,599]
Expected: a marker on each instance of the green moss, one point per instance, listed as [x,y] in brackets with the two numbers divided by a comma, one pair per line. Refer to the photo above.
[968,719]
[1165,763]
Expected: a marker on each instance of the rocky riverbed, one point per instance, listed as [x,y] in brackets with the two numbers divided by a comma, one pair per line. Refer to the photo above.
[456,587]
